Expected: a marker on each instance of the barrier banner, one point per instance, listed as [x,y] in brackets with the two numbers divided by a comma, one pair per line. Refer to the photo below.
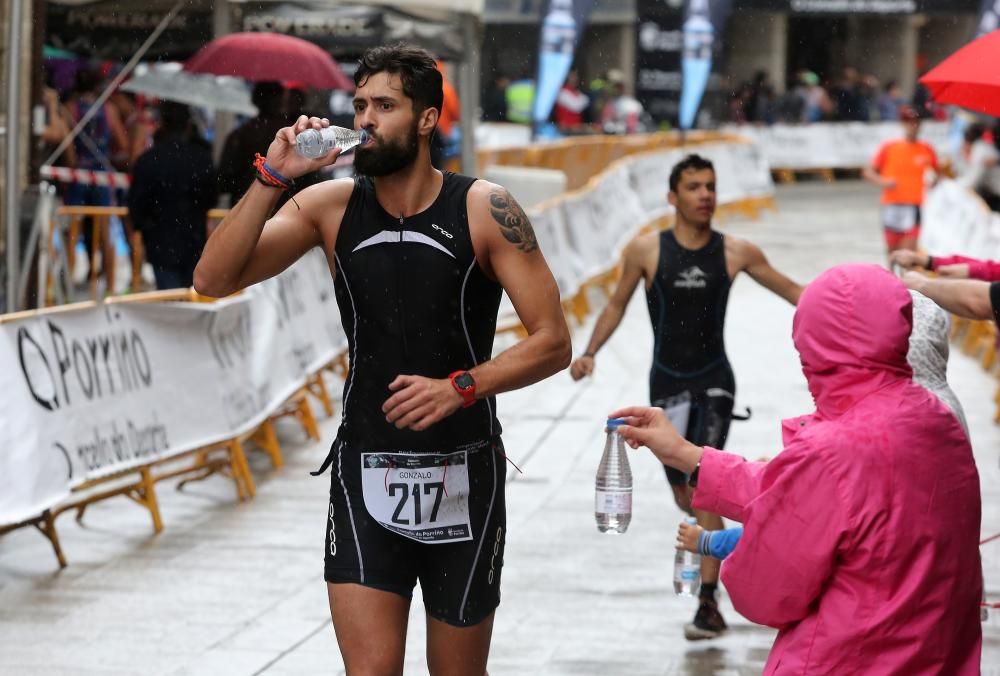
[955,220]
[563,22]
[836,145]
[704,25]
[87,393]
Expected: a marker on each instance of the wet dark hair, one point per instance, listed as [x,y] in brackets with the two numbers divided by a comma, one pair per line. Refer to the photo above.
[86,81]
[415,67]
[267,96]
[974,132]
[174,117]
[695,162]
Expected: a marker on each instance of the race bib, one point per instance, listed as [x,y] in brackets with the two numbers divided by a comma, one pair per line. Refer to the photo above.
[424,497]
[678,410]
[899,217]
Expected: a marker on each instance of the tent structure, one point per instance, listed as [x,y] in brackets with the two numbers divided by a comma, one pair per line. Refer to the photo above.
[117,28]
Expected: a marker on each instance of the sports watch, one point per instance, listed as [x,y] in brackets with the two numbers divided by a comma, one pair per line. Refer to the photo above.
[465,385]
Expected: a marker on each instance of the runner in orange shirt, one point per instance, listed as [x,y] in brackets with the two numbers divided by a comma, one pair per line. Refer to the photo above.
[899,168]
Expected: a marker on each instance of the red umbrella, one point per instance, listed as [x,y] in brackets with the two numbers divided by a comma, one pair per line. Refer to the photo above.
[269,57]
[969,78]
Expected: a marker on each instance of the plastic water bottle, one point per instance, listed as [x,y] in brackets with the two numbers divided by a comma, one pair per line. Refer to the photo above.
[316,143]
[687,570]
[613,498]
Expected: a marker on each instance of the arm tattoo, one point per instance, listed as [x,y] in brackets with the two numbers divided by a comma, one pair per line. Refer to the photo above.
[514,224]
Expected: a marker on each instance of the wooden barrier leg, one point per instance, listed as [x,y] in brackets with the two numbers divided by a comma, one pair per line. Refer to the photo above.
[266,438]
[95,230]
[305,416]
[317,387]
[70,244]
[202,459]
[138,255]
[245,488]
[145,495]
[47,527]
[108,256]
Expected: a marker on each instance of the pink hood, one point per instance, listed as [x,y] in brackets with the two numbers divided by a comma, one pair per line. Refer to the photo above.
[852,331]
[860,538]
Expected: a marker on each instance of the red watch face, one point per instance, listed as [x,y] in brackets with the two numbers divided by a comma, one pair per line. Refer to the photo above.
[464,381]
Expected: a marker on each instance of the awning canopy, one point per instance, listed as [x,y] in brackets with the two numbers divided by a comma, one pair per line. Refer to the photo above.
[114,29]
[346,30]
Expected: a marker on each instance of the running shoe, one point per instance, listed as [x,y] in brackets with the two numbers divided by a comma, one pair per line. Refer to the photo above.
[708,622]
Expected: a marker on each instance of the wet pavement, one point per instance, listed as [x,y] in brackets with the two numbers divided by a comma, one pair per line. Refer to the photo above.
[237,589]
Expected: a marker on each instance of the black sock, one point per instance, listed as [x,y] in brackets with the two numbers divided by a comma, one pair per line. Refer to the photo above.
[707,592]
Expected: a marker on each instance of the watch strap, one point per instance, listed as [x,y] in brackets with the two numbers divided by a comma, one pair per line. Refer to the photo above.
[468,394]
[693,479]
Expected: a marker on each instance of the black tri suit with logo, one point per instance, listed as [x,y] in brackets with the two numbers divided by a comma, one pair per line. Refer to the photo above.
[405,505]
[691,378]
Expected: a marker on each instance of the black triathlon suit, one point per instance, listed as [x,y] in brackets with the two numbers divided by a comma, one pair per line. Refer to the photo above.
[687,306]
[405,505]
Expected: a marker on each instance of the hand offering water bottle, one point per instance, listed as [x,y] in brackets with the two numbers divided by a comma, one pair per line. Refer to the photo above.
[316,143]
[687,570]
[613,498]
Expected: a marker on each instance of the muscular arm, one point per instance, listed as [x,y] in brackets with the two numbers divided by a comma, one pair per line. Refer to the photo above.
[966,298]
[518,264]
[247,247]
[759,268]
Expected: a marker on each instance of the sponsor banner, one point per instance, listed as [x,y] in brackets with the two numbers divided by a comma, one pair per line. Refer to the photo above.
[842,145]
[860,6]
[955,220]
[107,30]
[562,25]
[659,45]
[92,392]
[704,26]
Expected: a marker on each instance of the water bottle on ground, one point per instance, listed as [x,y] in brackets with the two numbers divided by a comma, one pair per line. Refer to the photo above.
[316,143]
[687,570]
[613,498]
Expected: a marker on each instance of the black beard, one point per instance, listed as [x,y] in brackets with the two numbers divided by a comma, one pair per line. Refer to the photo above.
[387,157]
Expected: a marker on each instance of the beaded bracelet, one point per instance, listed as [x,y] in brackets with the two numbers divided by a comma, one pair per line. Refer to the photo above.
[266,175]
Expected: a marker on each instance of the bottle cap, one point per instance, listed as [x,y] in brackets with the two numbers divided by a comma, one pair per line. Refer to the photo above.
[614,423]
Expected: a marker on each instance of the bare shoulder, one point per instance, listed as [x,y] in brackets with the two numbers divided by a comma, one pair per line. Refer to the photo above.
[324,204]
[741,251]
[329,193]
[643,250]
[494,210]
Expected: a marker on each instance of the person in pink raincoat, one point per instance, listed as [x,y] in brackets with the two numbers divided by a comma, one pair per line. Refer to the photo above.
[860,539]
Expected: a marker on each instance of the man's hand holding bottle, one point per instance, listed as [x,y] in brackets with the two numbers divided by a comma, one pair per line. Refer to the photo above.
[281,154]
